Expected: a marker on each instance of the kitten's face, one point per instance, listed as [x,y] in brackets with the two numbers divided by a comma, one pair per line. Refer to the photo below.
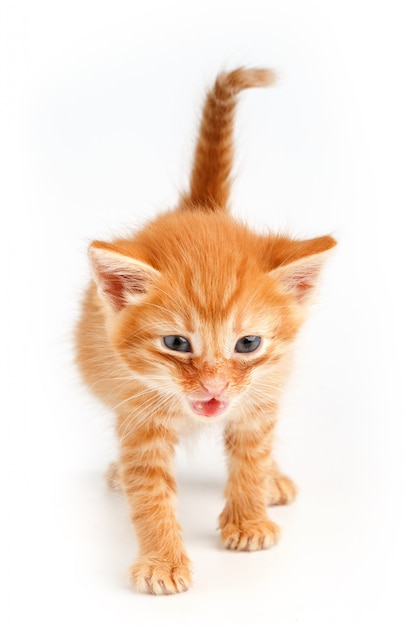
[206,311]
[208,348]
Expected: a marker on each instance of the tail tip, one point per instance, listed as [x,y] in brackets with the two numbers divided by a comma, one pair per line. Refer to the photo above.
[246,78]
[261,76]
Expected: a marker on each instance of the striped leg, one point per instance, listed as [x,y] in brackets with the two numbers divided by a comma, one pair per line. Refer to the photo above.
[146,469]
[244,521]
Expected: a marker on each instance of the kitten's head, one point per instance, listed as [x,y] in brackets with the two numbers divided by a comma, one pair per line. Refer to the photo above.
[203,310]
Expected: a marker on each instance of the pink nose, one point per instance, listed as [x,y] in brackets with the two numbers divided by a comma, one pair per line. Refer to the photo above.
[214,387]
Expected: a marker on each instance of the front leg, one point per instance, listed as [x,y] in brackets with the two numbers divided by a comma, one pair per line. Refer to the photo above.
[147,476]
[244,521]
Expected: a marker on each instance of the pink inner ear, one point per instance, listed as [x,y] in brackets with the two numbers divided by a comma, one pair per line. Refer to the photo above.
[119,277]
[304,285]
[305,281]
[117,286]
[296,265]
[300,277]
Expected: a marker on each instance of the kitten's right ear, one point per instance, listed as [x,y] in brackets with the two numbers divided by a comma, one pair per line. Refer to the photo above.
[120,279]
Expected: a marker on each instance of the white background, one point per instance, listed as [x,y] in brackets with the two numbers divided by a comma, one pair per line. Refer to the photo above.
[99,107]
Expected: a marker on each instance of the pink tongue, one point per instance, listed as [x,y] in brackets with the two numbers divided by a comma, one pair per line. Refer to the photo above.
[210,407]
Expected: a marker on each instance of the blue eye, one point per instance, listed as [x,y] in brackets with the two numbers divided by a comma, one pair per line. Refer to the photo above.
[177,343]
[248,344]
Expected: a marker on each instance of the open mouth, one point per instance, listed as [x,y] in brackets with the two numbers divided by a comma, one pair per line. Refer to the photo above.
[209,408]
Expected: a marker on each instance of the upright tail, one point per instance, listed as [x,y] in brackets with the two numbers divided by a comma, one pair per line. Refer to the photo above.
[213,158]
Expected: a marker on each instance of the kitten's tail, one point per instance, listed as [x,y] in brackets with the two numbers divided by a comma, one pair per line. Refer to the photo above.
[213,158]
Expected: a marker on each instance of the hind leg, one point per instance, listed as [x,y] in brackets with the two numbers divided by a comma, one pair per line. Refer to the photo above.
[280,488]
[113,478]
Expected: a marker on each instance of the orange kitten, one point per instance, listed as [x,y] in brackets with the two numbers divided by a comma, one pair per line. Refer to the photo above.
[189,321]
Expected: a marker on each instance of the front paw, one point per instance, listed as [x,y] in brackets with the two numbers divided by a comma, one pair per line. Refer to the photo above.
[159,577]
[250,535]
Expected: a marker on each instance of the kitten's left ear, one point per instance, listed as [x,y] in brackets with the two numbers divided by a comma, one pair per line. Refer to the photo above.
[299,270]
[120,279]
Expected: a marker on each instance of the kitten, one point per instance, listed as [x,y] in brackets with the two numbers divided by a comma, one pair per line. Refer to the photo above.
[189,321]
